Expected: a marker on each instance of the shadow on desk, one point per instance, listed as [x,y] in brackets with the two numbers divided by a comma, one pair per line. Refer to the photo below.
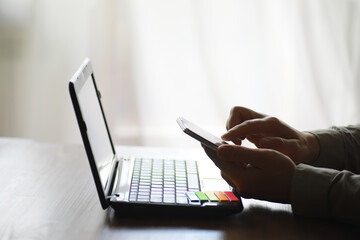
[257,221]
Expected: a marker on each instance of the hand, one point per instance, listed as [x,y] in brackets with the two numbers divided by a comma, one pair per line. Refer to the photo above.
[255,173]
[271,133]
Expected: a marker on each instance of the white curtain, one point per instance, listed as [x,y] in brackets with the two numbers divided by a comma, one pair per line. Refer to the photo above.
[159,59]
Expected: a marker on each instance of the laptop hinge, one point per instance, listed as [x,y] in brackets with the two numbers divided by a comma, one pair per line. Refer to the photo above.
[122,179]
[110,183]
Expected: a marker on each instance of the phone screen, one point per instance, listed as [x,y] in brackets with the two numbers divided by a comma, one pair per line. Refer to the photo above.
[200,134]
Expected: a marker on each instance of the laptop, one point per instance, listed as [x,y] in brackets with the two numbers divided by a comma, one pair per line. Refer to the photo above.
[135,185]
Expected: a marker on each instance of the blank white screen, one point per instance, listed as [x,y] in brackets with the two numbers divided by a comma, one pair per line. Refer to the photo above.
[96,129]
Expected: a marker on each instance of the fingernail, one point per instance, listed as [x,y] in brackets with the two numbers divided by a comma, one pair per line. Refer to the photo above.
[225,137]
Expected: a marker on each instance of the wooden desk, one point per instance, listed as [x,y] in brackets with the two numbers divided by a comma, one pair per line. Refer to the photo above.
[47,192]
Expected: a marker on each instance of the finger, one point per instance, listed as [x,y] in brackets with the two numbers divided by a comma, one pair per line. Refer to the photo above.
[255,139]
[268,126]
[249,127]
[210,152]
[272,143]
[241,114]
[288,147]
[237,141]
[223,165]
[239,154]
[261,141]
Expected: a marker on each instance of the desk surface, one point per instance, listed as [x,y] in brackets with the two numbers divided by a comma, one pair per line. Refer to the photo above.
[47,192]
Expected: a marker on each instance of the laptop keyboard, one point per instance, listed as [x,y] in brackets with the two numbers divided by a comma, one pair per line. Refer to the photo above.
[163,181]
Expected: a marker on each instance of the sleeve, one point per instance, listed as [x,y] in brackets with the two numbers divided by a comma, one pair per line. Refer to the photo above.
[326,193]
[339,148]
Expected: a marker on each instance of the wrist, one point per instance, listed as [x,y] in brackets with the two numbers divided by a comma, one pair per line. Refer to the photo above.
[313,147]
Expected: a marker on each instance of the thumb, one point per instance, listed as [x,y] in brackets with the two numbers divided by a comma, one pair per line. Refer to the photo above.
[242,155]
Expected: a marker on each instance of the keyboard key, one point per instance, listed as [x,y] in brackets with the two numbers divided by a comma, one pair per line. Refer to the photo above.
[144,194]
[143,189]
[221,196]
[157,196]
[181,200]
[181,191]
[169,194]
[169,199]
[155,188]
[134,186]
[231,196]
[192,197]
[193,181]
[179,185]
[157,180]
[156,199]
[132,198]
[145,182]
[143,199]
[133,195]
[202,196]
[212,197]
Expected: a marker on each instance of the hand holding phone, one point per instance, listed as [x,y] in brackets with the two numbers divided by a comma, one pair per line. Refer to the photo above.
[200,134]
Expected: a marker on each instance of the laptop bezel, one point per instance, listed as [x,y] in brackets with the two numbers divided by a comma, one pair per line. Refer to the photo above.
[75,85]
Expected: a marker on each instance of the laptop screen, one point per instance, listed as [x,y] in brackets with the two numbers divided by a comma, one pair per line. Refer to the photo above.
[96,128]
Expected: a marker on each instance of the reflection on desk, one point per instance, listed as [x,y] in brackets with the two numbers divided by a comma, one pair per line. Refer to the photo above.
[47,192]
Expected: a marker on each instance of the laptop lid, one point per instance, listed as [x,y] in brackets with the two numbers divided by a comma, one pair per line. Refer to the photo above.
[94,129]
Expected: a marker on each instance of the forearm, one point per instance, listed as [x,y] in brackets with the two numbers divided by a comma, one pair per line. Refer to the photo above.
[339,148]
[326,193]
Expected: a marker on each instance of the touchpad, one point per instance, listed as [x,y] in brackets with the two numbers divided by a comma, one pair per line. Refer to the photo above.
[215,184]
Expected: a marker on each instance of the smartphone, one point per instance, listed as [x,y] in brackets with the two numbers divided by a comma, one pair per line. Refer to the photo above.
[199,134]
